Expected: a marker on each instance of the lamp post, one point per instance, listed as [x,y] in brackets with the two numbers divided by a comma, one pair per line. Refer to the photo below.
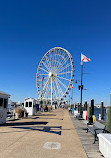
[80,87]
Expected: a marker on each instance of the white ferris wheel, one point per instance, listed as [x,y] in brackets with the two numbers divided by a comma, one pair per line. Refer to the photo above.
[55,74]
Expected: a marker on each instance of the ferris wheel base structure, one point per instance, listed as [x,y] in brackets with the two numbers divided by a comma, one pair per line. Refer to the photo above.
[55,75]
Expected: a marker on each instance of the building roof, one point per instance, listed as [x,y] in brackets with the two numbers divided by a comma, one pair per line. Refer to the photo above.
[3,93]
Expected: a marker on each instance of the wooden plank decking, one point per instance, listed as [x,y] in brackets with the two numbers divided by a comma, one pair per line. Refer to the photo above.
[87,139]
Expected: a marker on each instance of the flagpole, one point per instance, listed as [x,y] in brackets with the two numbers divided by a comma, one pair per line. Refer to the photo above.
[83,59]
[81,88]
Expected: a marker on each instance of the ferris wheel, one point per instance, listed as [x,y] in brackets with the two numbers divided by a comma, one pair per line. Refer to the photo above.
[55,74]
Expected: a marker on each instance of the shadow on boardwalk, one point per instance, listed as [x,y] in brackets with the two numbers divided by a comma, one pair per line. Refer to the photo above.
[31,126]
[49,129]
[45,115]
[25,123]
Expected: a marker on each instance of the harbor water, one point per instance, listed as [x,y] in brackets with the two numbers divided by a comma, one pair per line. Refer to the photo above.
[97,111]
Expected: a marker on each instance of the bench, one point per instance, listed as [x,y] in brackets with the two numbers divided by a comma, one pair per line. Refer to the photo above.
[96,128]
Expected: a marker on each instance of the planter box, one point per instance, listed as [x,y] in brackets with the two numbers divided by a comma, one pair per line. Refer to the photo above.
[105,144]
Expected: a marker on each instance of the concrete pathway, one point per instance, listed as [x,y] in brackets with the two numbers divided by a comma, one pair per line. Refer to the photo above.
[25,138]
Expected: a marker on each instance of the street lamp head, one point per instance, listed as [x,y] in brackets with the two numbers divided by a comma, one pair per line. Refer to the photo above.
[85,89]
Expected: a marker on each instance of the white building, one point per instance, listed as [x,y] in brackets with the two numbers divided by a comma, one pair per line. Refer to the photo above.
[30,106]
[3,106]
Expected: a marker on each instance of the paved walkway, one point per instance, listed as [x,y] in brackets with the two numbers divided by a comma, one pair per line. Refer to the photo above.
[25,138]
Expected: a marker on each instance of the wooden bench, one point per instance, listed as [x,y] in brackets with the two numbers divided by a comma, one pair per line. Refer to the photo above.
[96,128]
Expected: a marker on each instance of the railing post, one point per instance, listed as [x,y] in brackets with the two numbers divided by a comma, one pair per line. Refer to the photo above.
[85,106]
[102,110]
[92,106]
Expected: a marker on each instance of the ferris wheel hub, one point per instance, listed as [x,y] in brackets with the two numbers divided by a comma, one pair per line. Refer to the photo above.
[53,75]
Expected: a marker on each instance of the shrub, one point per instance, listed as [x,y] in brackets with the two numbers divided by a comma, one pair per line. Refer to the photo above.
[18,110]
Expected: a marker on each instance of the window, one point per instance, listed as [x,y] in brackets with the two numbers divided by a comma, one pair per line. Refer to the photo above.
[30,104]
[26,105]
[5,103]
[1,102]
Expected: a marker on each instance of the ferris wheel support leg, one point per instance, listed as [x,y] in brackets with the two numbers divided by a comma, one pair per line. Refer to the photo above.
[51,91]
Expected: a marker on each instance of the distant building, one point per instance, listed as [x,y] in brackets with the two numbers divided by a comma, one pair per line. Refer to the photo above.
[31,106]
[98,106]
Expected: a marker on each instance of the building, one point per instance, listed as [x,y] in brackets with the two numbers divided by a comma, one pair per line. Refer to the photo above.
[31,106]
[3,106]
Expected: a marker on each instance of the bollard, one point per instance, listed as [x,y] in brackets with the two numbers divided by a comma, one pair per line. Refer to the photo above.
[99,116]
[92,107]
[78,108]
[102,110]
[108,119]
[85,106]
[75,106]
[90,119]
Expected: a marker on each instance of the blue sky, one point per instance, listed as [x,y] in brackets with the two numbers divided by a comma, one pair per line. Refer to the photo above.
[28,29]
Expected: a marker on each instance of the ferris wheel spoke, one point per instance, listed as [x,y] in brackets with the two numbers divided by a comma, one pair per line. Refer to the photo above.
[44,70]
[57,64]
[63,59]
[46,66]
[63,78]
[64,67]
[64,73]
[49,91]
[44,86]
[43,74]
[61,83]
[58,61]
[40,80]
[64,62]
[48,63]
[46,90]
[57,88]
[60,88]
[55,91]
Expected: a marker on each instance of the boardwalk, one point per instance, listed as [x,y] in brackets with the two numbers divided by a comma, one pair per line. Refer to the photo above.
[29,137]
[87,139]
